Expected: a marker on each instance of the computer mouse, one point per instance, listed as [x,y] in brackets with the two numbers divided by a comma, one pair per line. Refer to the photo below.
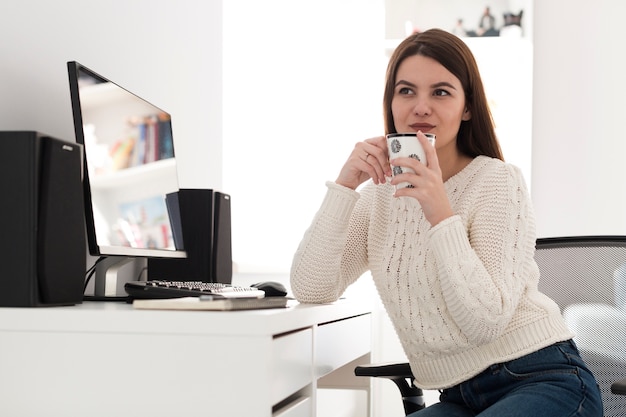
[271,288]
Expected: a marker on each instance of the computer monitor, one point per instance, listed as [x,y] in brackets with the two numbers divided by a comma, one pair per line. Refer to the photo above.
[130,170]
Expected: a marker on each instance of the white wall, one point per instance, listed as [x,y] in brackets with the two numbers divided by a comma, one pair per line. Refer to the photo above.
[300,89]
[169,53]
[579,146]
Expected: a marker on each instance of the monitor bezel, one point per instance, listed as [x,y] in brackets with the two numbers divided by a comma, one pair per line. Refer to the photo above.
[95,249]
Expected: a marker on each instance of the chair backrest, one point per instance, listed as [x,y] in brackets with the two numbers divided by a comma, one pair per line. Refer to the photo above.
[586,277]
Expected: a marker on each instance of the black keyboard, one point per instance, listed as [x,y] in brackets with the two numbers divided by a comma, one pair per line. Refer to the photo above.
[160,289]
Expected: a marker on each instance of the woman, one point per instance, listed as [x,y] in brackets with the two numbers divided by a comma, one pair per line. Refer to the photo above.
[451,256]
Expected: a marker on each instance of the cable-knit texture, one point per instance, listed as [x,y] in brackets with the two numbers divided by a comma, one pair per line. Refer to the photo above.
[461,295]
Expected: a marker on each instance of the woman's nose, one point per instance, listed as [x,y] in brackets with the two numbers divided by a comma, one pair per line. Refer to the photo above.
[421,107]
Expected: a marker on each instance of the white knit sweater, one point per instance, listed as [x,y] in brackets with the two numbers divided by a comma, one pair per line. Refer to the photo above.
[461,295]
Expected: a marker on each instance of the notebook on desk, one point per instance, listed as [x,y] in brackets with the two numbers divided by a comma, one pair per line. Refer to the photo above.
[207,303]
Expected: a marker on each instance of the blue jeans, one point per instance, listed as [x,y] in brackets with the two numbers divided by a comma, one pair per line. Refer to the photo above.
[553,381]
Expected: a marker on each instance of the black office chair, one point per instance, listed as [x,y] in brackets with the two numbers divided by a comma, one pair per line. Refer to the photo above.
[586,277]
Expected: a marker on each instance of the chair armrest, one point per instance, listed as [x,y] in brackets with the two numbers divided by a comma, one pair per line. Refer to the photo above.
[401,375]
[389,370]
[619,387]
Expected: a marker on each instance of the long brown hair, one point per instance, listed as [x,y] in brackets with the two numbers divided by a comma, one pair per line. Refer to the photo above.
[477,135]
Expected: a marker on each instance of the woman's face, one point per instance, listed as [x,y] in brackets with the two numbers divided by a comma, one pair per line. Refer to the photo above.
[429,98]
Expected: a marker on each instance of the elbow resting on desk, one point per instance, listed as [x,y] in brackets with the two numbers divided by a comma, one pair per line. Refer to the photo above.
[313,295]
[311,291]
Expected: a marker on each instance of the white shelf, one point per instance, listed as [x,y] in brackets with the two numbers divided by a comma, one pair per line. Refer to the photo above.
[131,176]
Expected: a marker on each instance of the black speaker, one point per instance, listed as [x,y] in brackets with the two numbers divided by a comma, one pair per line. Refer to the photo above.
[205,221]
[43,249]
[222,267]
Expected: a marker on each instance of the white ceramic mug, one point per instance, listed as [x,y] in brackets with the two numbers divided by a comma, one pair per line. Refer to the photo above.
[406,145]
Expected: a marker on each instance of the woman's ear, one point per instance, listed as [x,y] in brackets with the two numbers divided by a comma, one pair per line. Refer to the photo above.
[467,114]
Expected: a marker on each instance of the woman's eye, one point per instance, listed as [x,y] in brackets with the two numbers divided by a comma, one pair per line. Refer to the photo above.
[440,92]
[405,91]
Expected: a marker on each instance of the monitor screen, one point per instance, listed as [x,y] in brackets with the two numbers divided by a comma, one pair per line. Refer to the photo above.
[130,169]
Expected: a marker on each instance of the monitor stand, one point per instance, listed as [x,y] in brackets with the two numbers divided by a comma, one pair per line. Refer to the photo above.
[107,277]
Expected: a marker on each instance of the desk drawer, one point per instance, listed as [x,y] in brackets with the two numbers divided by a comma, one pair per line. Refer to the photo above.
[292,357]
[339,342]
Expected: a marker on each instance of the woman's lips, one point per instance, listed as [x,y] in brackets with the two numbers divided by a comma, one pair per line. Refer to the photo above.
[424,127]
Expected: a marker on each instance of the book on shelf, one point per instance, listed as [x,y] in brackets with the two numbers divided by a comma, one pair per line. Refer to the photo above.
[149,140]
[155,141]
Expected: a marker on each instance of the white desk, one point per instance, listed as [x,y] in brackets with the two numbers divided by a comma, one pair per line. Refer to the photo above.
[106,359]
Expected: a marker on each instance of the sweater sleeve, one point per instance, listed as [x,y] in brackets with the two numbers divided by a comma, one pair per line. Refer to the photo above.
[332,252]
[484,266]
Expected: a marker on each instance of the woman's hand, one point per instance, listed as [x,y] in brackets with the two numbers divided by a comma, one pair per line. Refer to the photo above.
[427,183]
[369,159]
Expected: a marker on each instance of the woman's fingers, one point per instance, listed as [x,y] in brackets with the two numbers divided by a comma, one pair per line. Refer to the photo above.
[367,160]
